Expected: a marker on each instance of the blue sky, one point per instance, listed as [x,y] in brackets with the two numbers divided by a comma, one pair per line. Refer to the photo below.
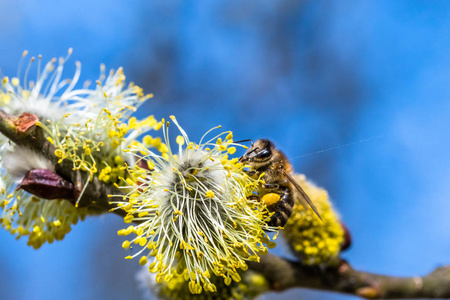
[310,75]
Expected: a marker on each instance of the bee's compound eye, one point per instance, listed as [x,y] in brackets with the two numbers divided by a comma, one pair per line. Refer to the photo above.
[263,154]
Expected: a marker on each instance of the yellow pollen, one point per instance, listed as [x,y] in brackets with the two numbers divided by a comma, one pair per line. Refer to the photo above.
[180,140]
[15,81]
[231,150]
[209,194]
[126,244]
[270,198]
[143,260]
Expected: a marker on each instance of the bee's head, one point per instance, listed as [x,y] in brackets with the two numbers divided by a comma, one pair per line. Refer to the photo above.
[259,154]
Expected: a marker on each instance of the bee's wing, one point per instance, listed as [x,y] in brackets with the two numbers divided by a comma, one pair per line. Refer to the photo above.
[305,201]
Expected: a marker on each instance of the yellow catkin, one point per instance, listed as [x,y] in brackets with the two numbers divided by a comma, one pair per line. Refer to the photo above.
[95,145]
[177,288]
[314,241]
[228,228]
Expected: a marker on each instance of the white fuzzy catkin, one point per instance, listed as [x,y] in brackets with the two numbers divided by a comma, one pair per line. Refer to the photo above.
[19,160]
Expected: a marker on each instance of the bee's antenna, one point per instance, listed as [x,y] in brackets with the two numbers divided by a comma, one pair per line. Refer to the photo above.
[243,141]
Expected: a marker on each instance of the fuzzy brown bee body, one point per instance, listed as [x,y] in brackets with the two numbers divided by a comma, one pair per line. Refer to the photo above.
[264,158]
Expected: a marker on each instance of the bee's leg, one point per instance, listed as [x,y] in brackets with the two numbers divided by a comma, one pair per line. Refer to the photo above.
[272,187]
[254,197]
[250,172]
[283,209]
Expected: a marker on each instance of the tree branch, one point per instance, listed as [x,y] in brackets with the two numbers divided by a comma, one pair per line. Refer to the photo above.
[339,276]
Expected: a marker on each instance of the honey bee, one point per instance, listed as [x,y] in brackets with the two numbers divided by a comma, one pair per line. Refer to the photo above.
[279,189]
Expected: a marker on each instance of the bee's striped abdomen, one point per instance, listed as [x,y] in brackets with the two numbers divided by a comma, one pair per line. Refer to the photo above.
[283,209]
